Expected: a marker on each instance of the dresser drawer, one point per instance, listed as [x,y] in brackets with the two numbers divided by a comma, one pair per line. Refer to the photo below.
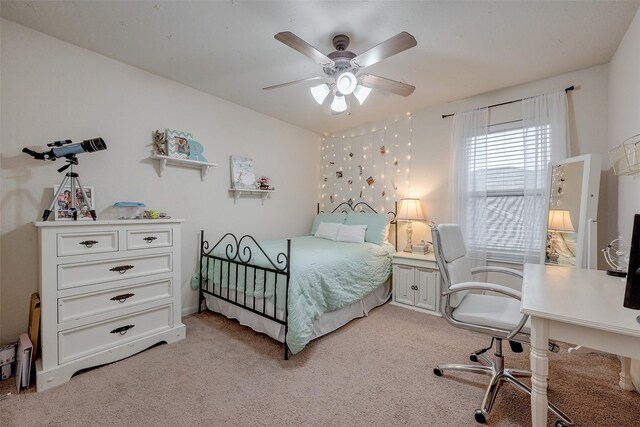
[79,306]
[87,243]
[88,273]
[143,239]
[90,339]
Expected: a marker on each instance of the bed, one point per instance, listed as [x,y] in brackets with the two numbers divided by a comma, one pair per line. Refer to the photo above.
[298,289]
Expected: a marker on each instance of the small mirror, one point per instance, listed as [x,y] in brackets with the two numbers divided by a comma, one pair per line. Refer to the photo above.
[573,200]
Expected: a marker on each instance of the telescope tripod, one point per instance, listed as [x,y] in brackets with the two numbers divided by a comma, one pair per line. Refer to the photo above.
[73,179]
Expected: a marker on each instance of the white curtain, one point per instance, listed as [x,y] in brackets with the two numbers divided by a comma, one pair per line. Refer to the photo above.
[475,153]
[470,189]
[546,139]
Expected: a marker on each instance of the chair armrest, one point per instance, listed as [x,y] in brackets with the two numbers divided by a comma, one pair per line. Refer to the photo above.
[495,269]
[479,286]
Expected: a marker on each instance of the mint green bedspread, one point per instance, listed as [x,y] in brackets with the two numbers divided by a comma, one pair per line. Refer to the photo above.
[325,276]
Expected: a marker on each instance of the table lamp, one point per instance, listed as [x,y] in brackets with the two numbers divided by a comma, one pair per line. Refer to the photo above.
[410,210]
[559,222]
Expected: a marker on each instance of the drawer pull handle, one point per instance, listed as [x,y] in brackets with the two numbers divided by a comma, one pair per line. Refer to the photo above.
[122,329]
[149,239]
[414,287]
[121,268]
[122,298]
[88,243]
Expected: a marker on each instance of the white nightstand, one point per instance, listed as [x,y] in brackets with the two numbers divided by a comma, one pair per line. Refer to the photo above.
[416,282]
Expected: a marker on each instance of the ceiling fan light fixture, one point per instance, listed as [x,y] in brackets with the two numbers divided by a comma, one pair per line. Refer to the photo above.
[361,93]
[346,83]
[320,93]
[339,104]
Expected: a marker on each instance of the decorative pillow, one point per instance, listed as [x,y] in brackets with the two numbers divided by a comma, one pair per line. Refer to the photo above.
[351,233]
[337,217]
[327,230]
[377,225]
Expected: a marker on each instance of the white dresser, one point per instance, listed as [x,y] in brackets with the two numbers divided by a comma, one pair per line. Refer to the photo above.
[108,290]
[416,282]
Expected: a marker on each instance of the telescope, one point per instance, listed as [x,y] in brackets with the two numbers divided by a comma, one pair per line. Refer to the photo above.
[67,149]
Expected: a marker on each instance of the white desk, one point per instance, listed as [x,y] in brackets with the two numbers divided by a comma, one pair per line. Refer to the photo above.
[577,306]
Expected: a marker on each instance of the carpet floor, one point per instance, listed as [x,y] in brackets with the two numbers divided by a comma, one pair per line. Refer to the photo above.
[375,371]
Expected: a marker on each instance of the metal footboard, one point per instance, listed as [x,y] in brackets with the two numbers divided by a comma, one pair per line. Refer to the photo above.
[233,264]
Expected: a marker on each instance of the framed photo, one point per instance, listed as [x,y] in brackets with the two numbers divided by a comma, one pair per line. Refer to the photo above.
[178,143]
[242,174]
[62,207]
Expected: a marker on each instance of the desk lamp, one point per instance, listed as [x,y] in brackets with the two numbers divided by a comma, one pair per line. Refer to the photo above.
[410,210]
[559,222]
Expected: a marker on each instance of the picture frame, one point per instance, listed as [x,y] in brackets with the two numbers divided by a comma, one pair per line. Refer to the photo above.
[178,143]
[242,173]
[62,207]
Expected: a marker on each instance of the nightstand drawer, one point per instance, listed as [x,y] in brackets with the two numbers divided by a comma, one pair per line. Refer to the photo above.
[88,273]
[144,239]
[87,243]
[80,306]
[79,342]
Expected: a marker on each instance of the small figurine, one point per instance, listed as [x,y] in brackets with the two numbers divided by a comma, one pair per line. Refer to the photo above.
[159,143]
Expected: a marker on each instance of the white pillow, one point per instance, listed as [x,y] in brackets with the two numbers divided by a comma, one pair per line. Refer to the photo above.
[351,233]
[327,230]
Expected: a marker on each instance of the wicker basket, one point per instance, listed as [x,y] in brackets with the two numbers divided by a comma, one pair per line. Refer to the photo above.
[625,158]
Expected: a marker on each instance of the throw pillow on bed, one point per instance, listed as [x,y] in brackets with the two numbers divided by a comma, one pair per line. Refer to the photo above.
[377,225]
[351,233]
[337,217]
[327,230]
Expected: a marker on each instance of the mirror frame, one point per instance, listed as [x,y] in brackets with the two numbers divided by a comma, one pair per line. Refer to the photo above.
[586,245]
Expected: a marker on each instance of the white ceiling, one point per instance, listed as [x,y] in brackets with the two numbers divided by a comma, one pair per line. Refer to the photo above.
[227,48]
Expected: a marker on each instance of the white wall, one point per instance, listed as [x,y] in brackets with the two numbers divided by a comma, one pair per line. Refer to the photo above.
[624,122]
[624,117]
[53,90]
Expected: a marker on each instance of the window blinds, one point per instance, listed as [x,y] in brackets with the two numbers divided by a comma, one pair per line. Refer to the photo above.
[499,163]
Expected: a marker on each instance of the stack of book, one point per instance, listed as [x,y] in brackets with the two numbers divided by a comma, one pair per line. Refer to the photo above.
[420,248]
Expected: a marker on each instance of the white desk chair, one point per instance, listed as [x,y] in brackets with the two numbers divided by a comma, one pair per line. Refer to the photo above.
[496,316]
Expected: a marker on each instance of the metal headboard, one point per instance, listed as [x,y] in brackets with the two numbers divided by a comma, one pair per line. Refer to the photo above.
[347,207]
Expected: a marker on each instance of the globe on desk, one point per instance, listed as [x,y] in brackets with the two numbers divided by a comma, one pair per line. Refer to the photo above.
[617,256]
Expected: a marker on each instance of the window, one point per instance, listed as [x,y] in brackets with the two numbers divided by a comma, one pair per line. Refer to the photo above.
[499,165]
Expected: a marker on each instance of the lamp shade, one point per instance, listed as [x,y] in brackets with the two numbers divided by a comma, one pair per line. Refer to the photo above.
[410,210]
[339,104]
[320,93]
[361,93]
[560,220]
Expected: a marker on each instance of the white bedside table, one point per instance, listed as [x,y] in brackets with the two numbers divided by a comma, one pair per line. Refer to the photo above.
[416,282]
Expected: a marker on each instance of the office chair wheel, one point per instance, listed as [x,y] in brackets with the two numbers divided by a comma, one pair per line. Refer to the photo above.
[561,423]
[480,417]
[473,357]
[437,372]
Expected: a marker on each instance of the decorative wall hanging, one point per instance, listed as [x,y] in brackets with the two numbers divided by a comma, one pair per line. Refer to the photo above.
[178,144]
[625,158]
[178,148]
[367,166]
[242,174]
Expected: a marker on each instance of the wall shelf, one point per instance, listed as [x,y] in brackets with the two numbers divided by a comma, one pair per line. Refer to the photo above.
[237,192]
[164,160]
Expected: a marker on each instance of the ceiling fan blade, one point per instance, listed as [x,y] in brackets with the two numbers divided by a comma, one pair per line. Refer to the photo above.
[396,44]
[387,85]
[295,42]
[292,83]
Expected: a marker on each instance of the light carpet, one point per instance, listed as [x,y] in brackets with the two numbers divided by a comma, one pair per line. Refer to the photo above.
[375,371]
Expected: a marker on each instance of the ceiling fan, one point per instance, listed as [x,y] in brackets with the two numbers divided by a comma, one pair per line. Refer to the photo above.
[342,69]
